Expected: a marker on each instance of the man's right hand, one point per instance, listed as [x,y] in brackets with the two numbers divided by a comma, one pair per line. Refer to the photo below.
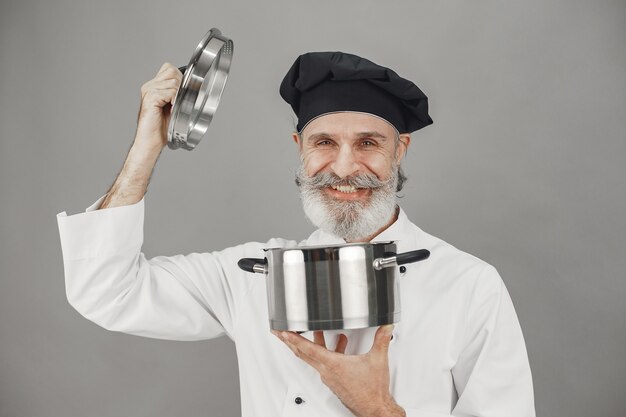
[157,97]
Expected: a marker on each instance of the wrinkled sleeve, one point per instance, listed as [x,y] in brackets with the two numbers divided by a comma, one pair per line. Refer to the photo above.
[492,375]
[109,280]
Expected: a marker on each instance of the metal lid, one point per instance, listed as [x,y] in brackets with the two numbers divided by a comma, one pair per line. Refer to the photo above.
[200,91]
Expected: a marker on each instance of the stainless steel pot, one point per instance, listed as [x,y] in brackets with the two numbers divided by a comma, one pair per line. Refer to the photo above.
[332,287]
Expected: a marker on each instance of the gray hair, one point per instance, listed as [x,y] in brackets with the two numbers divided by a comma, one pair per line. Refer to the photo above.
[401,179]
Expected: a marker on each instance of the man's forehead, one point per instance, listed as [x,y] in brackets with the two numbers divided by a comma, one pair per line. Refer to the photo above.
[352,124]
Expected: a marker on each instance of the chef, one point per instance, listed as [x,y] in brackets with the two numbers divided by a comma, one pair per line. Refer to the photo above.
[458,350]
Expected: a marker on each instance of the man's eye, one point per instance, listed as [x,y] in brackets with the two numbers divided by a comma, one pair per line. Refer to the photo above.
[324,143]
[368,142]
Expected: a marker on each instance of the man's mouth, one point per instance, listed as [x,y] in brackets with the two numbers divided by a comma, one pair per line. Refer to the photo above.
[348,189]
[348,192]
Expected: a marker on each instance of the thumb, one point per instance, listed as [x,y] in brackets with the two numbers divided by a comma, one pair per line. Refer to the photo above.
[382,338]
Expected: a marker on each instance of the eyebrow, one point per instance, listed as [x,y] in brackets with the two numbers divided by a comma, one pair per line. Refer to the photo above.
[360,135]
[372,134]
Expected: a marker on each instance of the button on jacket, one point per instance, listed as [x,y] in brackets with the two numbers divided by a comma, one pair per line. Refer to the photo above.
[458,349]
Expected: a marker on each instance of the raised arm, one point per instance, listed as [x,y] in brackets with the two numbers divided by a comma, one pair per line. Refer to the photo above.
[110,281]
[157,96]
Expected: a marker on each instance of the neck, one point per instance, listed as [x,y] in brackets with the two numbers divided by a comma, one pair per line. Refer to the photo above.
[379,231]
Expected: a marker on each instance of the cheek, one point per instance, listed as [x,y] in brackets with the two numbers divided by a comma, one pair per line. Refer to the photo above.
[314,162]
[380,165]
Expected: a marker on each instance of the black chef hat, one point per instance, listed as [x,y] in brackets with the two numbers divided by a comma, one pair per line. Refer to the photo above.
[324,82]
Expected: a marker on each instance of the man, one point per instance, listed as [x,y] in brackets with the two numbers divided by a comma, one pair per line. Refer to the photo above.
[458,349]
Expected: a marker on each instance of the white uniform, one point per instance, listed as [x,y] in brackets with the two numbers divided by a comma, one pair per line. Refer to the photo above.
[457,350]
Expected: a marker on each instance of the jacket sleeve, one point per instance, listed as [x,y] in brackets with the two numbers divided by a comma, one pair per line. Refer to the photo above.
[109,280]
[492,374]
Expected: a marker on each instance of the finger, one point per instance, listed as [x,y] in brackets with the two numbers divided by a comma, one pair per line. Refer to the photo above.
[170,72]
[165,66]
[312,350]
[155,85]
[159,97]
[342,343]
[299,352]
[382,339]
[162,93]
[318,338]
[164,84]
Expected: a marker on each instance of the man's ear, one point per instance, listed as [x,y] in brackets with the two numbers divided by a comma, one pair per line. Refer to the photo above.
[404,140]
[296,138]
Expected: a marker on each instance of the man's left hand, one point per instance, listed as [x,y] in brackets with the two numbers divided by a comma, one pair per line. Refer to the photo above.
[361,382]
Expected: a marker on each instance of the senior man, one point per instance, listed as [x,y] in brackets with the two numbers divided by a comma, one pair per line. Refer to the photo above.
[458,349]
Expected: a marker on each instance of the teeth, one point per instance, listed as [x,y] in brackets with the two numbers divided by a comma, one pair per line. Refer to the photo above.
[345,188]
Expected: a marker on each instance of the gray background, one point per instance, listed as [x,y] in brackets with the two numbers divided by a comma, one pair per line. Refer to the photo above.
[524,167]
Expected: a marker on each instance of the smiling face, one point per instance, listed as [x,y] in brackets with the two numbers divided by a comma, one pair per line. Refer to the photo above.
[349,173]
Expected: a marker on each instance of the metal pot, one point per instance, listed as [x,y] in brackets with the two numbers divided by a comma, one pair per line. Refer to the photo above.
[346,286]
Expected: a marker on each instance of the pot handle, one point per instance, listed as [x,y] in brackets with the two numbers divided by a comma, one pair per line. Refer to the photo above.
[401,259]
[256,265]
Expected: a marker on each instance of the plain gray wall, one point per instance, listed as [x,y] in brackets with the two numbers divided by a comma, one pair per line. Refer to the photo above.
[524,167]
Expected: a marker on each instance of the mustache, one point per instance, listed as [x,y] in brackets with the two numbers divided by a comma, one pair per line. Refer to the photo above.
[329,179]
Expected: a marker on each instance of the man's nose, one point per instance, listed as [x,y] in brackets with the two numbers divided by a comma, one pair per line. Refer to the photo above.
[345,164]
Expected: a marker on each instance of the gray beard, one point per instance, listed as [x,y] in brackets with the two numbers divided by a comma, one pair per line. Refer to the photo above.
[350,220]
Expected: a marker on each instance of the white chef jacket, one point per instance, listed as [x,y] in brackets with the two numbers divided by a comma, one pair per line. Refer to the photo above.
[458,349]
